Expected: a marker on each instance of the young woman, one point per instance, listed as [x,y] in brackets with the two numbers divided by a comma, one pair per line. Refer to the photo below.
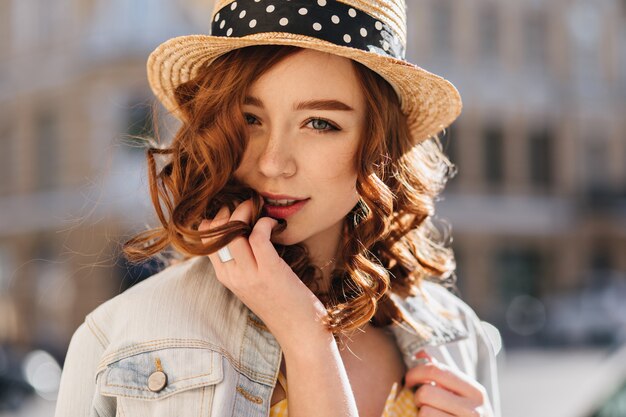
[297,200]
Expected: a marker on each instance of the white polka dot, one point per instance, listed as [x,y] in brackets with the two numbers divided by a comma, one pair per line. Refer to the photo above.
[233,6]
[347,38]
[252,23]
[270,8]
[242,14]
[283,21]
[352,12]
[222,23]
[335,18]
[385,45]
[217,17]
[317,26]
[363,32]
[256,1]
[229,31]
[303,11]
[321,2]
[379,25]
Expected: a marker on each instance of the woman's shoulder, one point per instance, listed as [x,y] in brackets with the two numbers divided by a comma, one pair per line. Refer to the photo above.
[191,275]
[446,300]
[443,316]
[458,337]
[184,302]
[437,308]
[439,296]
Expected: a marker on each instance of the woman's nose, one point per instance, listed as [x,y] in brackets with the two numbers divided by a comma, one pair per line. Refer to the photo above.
[276,159]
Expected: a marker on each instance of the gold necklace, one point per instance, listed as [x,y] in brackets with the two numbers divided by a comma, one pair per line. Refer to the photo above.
[324,296]
[327,263]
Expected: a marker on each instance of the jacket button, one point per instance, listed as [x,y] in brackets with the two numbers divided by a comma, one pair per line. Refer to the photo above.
[157,381]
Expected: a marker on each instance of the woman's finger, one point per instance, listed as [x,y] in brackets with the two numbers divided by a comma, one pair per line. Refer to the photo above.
[220,219]
[239,247]
[264,252]
[444,400]
[443,376]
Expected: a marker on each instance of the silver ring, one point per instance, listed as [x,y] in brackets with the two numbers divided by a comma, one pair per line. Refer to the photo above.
[225,254]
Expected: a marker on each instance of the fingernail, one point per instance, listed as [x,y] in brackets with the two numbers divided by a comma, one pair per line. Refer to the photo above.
[279,226]
[280,223]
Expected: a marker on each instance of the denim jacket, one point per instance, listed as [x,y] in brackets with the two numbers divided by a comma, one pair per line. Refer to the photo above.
[181,344]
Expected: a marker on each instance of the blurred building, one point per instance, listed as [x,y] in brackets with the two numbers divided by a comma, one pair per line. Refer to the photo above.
[538,207]
[73,90]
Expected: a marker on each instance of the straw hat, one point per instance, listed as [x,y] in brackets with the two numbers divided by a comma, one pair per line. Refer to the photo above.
[372,32]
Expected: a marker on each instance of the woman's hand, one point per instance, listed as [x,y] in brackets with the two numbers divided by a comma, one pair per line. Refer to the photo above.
[263,281]
[445,392]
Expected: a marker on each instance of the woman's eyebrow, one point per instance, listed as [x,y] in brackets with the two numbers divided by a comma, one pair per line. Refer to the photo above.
[306,105]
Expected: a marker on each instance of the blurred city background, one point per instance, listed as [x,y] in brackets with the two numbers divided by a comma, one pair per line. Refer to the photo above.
[538,209]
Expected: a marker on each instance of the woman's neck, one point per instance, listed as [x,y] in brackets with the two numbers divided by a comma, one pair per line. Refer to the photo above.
[324,253]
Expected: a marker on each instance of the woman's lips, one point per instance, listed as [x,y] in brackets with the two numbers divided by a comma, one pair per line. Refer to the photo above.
[282,212]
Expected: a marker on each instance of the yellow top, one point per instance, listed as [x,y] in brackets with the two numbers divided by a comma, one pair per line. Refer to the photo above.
[403,406]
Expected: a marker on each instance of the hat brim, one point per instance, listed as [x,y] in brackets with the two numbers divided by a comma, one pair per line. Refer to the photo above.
[430,102]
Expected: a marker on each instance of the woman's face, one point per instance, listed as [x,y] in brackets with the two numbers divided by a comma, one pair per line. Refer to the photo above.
[305,121]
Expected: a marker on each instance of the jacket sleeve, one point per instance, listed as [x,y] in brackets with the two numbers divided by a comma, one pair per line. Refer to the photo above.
[77,391]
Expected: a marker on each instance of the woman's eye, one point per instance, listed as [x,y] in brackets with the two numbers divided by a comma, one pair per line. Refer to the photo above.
[319,125]
[248,117]
[322,125]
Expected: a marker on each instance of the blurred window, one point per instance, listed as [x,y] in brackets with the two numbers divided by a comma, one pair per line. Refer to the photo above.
[596,161]
[600,259]
[450,148]
[448,142]
[139,126]
[131,274]
[519,271]
[489,32]
[52,287]
[50,19]
[47,149]
[6,268]
[536,40]
[521,274]
[585,26]
[541,157]
[7,156]
[493,154]
[442,30]
[598,188]
[5,27]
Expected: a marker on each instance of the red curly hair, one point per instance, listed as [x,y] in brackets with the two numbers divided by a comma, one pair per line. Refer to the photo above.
[389,240]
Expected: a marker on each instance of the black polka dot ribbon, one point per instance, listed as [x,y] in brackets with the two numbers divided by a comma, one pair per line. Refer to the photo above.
[329,20]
